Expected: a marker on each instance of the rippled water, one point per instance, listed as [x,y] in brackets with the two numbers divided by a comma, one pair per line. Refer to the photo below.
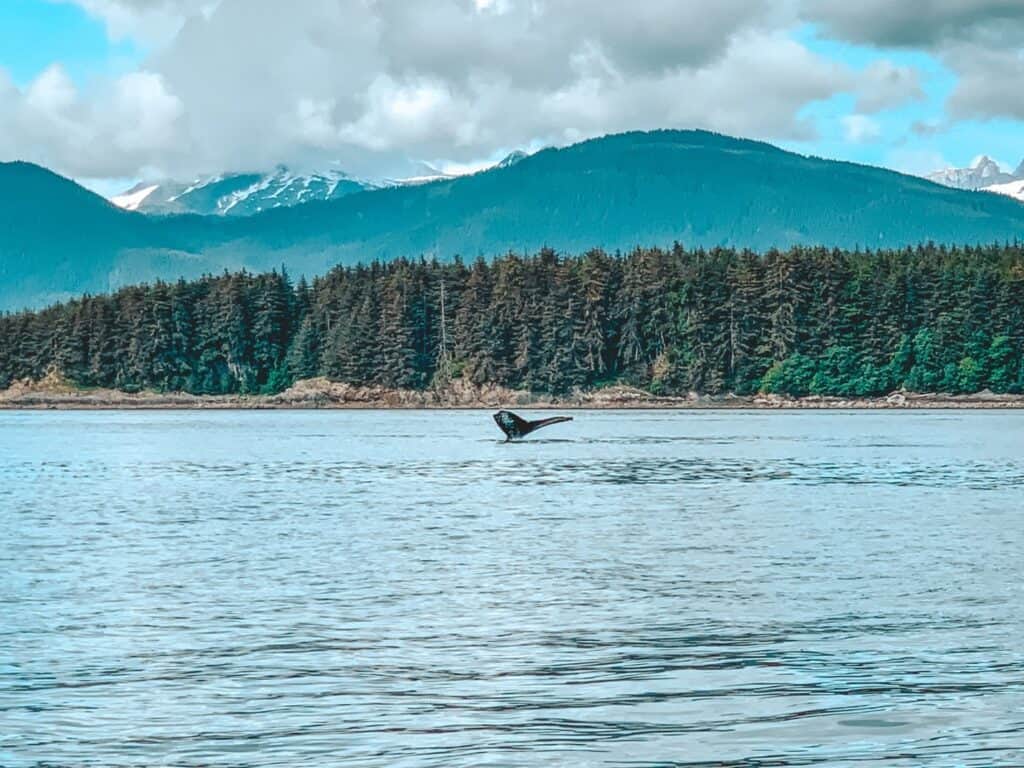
[402,589]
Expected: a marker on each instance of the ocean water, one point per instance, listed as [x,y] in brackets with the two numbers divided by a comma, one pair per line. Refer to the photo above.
[404,589]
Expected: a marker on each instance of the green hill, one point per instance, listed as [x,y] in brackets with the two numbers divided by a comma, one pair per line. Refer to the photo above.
[698,188]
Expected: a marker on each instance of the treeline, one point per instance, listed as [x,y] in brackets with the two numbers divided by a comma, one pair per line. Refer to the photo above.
[804,321]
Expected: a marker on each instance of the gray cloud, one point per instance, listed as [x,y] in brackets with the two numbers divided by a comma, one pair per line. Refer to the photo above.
[919,23]
[926,129]
[981,41]
[991,83]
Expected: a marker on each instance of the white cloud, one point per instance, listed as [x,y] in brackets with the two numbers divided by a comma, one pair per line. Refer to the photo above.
[248,84]
[143,114]
[860,129]
[916,162]
[112,132]
[154,22]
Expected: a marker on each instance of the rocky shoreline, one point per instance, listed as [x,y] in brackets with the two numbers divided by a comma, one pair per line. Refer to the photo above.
[52,393]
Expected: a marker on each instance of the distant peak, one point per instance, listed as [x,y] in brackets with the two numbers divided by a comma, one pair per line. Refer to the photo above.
[133,198]
[512,158]
[982,172]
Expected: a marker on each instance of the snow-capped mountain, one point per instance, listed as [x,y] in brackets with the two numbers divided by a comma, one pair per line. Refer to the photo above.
[238,194]
[243,194]
[423,173]
[985,175]
[134,197]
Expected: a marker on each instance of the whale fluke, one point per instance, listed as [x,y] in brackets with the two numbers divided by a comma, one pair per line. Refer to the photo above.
[515,427]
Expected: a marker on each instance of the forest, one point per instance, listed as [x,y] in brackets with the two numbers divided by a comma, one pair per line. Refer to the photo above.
[795,322]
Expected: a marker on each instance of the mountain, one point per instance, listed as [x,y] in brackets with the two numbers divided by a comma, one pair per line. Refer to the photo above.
[698,188]
[55,236]
[983,173]
[511,159]
[243,194]
[238,194]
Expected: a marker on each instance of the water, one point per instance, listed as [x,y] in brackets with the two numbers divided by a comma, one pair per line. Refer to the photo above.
[402,589]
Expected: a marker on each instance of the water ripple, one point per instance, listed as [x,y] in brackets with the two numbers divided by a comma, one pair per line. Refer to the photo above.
[383,589]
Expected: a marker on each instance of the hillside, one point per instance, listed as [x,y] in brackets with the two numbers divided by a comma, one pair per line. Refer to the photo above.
[56,237]
[655,188]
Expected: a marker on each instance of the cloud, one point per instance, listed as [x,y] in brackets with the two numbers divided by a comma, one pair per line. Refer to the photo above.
[884,85]
[980,41]
[113,132]
[860,129]
[154,22]
[916,162]
[919,23]
[991,83]
[371,84]
[927,128]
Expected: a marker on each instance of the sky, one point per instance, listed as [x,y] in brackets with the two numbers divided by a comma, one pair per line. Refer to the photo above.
[110,92]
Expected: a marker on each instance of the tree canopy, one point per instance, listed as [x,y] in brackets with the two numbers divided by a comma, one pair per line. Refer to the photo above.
[797,322]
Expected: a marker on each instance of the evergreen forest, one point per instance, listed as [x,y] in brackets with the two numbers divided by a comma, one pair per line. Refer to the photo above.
[796,322]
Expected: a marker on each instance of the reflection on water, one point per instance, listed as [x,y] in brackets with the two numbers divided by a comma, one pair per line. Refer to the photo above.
[403,589]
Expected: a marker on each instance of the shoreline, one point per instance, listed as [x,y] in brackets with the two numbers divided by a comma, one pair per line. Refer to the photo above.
[321,394]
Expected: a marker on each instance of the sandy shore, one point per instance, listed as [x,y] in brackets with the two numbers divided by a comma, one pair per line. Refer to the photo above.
[53,393]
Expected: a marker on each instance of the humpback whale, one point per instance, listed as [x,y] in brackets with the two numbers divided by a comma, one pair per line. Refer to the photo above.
[515,427]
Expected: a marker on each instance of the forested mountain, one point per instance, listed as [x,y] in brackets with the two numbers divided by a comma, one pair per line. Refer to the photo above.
[697,188]
[798,321]
[55,235]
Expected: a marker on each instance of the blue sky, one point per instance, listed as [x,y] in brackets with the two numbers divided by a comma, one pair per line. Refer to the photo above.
[35,34]
[111,91]
[899,146]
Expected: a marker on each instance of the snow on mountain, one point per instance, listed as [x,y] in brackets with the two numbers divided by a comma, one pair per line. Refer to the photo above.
[134,197]
[423,173]
[1013,189]
[983,172]
[238,194]
[986,175]
[413,181]
[243,194]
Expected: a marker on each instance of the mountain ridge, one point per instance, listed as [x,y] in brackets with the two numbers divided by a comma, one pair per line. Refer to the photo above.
[983,175]
[616,192]
[244,193]
[237,194]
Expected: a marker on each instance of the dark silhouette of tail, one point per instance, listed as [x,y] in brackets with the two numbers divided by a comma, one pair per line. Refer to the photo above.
[515,427]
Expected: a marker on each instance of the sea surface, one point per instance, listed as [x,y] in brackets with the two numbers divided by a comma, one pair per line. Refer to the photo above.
[403,589]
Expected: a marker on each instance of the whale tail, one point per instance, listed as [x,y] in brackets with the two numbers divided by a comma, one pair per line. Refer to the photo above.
[515,427]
